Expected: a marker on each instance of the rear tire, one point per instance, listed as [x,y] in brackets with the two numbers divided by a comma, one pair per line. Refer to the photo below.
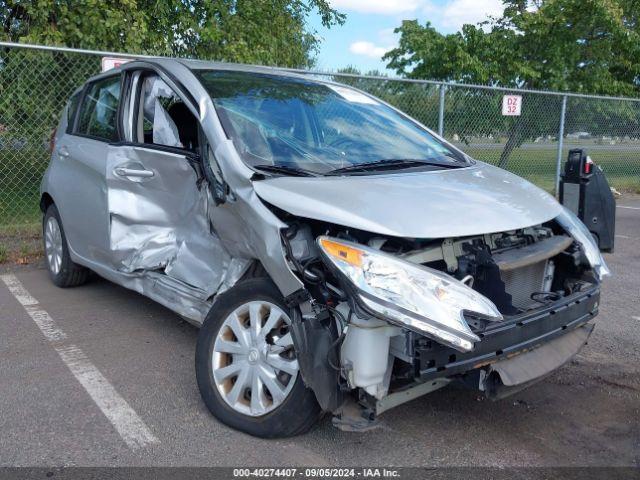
[245,364]
[62,270]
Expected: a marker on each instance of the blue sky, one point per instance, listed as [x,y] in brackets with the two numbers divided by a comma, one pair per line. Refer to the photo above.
[368,30]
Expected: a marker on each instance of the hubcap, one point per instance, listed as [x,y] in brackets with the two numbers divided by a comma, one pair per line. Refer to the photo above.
[254,364]
[53,245]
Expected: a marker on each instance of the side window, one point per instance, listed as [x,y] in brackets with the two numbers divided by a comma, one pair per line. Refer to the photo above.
[71,110]
[163,118]
[99,110]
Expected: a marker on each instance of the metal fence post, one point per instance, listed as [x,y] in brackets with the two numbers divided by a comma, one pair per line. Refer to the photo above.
[441,111]
[563,113]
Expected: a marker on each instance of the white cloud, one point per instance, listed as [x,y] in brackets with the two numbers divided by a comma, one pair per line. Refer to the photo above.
[387,40]
[448,16]
[456,13]
[368,49]
[385,7]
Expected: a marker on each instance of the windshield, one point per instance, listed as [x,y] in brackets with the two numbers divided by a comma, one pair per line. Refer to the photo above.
[293,123]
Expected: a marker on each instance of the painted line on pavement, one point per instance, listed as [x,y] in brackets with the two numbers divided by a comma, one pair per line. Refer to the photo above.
[123,418]
[630,208]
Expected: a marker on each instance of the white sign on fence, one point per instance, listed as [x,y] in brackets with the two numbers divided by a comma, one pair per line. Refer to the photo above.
[512,105]
[112,62]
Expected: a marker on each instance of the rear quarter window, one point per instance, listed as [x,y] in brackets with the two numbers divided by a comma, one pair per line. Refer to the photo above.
[72,107]
[98,115]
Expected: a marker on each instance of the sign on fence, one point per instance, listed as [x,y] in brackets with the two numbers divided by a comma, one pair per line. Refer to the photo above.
[511,105]
[112,62]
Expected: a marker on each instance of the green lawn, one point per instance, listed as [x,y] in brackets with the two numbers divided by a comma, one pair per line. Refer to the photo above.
[538,164]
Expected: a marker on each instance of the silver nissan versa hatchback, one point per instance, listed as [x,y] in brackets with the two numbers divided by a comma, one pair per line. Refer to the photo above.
[338,256]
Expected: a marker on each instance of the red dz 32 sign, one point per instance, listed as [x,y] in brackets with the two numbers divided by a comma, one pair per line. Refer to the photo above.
[512,105]
[110,62]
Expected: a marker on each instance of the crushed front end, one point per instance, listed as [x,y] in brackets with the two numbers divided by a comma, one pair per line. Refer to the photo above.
[385,319]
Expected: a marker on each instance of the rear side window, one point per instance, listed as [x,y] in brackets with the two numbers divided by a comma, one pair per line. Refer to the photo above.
[98,115]
[71,110]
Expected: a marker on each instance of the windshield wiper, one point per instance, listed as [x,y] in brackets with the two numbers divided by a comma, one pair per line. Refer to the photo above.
[389,164]
[286,170]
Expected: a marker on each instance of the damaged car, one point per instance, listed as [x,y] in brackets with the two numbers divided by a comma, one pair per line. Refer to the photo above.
[338,256]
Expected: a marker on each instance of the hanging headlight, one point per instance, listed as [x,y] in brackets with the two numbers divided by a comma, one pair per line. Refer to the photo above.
[581,234]
[419,298]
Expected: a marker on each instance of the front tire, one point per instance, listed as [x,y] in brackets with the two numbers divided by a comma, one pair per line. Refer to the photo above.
[246,366]
[62,270]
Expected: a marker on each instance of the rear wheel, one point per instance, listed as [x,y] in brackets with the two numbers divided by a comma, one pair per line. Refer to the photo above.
[62,270]
[246,364]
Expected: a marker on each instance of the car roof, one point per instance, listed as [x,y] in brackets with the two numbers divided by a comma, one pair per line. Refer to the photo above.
[172,65]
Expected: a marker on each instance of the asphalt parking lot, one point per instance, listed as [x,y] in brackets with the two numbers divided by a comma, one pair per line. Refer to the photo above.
[101,376]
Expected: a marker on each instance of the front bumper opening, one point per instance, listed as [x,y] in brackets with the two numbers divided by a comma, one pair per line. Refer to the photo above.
[504,340]
[506,377]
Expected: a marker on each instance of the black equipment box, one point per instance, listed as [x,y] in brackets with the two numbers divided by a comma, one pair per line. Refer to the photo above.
[585,191]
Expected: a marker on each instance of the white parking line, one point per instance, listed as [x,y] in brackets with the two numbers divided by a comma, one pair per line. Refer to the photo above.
[636,318]
[124,419]
[630,208]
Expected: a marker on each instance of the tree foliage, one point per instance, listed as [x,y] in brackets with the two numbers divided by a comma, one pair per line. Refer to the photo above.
[272,32]
[586,46]
[589,46]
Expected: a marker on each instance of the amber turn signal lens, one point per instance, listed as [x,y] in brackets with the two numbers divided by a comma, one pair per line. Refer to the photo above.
[348,254]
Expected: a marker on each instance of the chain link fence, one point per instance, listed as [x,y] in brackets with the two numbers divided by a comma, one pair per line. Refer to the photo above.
[35,84]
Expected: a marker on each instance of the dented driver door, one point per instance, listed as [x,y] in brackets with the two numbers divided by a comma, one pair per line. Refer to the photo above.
[157,197]
[157,207]
[150,195]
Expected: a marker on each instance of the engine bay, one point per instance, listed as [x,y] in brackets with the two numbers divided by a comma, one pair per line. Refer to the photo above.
[518,270]
[370,359]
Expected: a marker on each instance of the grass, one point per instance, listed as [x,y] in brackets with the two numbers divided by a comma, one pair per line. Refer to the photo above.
[538,165]
[20,244]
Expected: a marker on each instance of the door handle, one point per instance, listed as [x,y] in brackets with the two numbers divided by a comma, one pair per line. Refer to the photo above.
[131,172]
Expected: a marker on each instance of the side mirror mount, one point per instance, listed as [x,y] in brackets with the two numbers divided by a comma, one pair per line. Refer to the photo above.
[219,188]
[220,191]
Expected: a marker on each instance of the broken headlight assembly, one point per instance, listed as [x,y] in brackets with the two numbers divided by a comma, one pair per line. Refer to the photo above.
[581,234]
[421,299]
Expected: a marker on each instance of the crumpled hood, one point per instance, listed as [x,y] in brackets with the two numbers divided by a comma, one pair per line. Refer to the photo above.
[435,204]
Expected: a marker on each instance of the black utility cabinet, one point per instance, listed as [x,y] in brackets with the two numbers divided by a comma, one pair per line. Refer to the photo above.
[585,191]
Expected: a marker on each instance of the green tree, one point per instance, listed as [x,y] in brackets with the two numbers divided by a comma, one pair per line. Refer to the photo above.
[588,46]
[273,32]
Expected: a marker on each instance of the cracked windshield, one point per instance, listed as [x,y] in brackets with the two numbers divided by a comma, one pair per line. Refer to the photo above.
[298,127]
